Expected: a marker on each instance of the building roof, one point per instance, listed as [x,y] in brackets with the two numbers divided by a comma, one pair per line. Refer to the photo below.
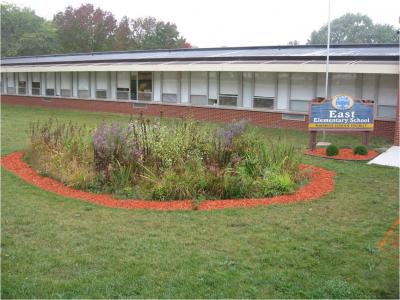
[364,52]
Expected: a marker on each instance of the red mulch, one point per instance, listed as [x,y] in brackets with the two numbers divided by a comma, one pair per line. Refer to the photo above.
[321,182]
[344,154]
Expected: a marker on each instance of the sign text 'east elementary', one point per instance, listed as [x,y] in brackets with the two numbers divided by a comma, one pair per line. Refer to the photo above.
[341,113]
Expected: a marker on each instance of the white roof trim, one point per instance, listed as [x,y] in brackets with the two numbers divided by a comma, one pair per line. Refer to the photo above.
[267,66]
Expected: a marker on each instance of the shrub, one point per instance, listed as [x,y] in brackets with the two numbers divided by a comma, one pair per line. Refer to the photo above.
[276,184]
[360,150]
[332,150]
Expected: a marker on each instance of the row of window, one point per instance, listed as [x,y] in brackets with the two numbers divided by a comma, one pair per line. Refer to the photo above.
[302,87]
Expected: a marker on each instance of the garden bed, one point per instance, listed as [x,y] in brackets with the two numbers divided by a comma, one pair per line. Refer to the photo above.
[321,182]
[344,154]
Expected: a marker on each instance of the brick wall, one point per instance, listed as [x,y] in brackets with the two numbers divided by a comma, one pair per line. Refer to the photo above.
[397,129]
[265,119]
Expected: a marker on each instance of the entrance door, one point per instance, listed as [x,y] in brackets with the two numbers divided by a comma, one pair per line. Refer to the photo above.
[133,87]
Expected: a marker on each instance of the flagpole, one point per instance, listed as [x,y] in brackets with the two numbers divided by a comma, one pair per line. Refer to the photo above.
[327,60]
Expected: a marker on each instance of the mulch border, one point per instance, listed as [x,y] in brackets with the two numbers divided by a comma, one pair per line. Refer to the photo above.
[346,156]
[321,182]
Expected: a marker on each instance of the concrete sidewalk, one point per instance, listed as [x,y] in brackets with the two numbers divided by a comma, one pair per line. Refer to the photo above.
[390,157]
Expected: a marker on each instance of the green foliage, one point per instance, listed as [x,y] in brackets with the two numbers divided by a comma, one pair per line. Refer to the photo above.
[360,150]
[277,184]
[157,160]
[63,151]
[332,150]
[355,29]
[85,29]
[82,29]
[25,33]
[149,33]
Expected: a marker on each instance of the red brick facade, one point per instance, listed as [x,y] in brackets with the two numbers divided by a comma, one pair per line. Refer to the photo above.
[397,130]
[265,119]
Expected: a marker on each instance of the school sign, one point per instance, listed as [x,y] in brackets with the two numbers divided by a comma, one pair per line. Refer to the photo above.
[341,113]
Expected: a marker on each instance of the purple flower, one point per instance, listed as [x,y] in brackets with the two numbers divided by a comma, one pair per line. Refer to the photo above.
[138,153]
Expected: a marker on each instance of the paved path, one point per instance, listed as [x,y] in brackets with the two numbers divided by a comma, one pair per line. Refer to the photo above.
[390,157]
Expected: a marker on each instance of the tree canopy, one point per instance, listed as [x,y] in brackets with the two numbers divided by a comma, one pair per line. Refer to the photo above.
[82,29]
[25,33]
[85,29]
[355,29]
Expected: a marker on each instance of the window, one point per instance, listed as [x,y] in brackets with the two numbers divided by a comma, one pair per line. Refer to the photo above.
[302,86]
[123,83]
[65,93]
[198,83]
[83,94]
[301,91]
[198,88]
[101,86]
[10,90]
[123,93]
[198,99]
[344,84]
[145,86]
[49,92]
[263,102]
[101,94]
[293,117]
[83,85]
[299,105]
[10,83]
[22,87]
[229,83]
[50,83]
[169,98]
[212,101]
[35,88]
[66,84]
[170,87]
[22,83]
[229,88]
[264,84]
[228,100]
[386,111]
[212,86]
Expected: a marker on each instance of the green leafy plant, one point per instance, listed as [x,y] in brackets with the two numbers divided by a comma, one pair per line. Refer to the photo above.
[165,160]
[360,150]
[332,150]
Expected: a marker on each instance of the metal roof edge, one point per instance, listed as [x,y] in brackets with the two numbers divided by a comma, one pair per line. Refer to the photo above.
[320,46]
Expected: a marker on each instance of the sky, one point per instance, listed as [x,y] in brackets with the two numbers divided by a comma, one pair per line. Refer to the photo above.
[216,23]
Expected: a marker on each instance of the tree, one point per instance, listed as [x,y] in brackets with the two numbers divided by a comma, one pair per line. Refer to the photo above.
[25,33]
[122,39]
[85,29]
[148,33]
[294,43]
[354,29]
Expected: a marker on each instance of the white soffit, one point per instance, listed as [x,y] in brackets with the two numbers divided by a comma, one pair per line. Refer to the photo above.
[265,66]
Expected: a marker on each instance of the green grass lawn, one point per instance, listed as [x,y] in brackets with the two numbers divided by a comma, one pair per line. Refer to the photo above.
[56,247]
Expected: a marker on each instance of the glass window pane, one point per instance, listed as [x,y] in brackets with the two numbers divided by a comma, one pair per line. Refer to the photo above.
[302,86]
[386,111]
[299,105]
[264,84]
[229,83]
[259,102]
[228,100]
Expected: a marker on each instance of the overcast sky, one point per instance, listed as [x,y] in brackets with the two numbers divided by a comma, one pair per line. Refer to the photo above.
[215,23]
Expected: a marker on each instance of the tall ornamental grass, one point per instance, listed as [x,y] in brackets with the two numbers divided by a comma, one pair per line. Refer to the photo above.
[165,160]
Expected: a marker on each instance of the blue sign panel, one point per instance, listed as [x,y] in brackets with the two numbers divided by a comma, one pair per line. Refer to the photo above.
[341,113]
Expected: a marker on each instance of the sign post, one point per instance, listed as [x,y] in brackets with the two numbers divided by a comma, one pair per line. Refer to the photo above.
[341,113]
